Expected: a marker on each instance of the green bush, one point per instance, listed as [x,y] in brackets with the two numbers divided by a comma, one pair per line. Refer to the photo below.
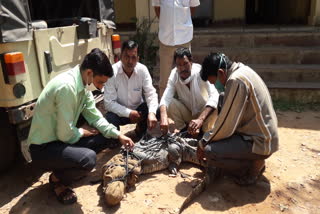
[146,41]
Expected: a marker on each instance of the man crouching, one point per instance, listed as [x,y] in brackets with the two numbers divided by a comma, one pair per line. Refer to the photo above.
[55,143]
[245,132]
[196,99]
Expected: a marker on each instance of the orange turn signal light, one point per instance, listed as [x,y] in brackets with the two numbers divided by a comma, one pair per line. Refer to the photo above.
[115,37]
[14,63]
[13,57]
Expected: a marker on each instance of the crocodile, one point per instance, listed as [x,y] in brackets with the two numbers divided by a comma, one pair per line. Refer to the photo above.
[165,152]
[158,153]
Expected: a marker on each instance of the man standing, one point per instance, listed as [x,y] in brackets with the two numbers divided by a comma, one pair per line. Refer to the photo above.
[124,93]
[196,101]
[55,143]
[175,30]
[245,133]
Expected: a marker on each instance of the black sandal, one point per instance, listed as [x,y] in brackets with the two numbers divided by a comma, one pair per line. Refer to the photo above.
[62,195]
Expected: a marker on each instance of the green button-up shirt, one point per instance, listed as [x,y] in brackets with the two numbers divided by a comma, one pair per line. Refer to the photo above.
[58,109]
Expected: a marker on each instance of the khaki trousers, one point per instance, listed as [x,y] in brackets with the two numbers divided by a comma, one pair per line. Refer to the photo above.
[166,63]
[181,116]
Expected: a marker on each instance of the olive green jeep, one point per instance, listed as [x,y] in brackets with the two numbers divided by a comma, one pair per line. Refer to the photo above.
[38,40]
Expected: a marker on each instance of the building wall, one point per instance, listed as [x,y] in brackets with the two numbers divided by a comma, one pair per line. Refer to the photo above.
[314,18]
[225,10]
[125,11]
[146,10]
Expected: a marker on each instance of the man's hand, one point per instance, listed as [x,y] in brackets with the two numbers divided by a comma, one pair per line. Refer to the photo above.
[200,150]
[200,154]
[126,141]
[87,132]
[152,120]
[157,11]
[164,125]
[134,116]
[194,126]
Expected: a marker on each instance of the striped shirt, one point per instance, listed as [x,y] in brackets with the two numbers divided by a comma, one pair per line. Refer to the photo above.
[248,111]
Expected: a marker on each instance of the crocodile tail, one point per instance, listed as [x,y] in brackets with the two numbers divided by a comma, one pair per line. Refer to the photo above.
[194,193]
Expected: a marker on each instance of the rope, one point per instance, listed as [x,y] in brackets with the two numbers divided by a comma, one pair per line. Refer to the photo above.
[127,170]
[123,178]
[153,145]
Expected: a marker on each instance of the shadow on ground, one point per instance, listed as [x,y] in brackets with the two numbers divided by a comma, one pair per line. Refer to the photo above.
[27,175]
[25,205]
[224,194]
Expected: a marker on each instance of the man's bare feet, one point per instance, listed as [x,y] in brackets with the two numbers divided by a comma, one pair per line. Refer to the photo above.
[256,170]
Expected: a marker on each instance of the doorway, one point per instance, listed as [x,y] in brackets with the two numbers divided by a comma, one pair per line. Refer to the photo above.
[277,11]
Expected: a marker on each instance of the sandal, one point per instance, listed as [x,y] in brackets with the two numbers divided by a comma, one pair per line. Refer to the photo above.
[67,196]
[248,180]
[64,196]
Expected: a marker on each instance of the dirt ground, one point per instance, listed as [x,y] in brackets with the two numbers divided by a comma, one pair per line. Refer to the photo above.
[291,183]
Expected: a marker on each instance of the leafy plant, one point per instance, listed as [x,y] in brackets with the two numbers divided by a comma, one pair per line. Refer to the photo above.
[146,40]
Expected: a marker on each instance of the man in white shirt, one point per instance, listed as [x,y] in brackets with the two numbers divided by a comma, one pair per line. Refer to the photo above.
[175,30]
[196,101]
[125,92]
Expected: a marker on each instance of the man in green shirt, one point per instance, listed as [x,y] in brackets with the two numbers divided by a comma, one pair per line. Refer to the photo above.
[55,143]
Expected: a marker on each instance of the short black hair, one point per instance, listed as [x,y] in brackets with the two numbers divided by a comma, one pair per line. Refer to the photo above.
[129,45]
[181,52]
[212,63]
[98,61]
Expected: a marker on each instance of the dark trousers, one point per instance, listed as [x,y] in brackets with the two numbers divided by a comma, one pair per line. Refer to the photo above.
[70,162]
[233,155]
[120,121]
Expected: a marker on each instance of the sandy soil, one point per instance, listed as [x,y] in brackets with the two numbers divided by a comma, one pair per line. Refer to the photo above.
[291,183]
